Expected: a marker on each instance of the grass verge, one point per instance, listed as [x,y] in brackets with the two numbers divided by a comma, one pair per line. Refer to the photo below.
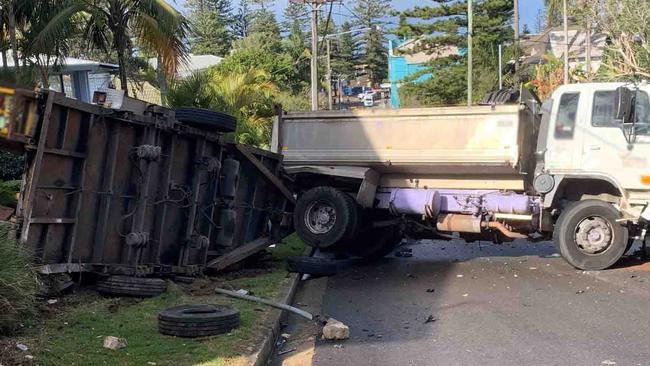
[73,333]
[18,285]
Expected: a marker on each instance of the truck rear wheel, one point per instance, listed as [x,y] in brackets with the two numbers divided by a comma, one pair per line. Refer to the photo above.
[325,216]
[588,235]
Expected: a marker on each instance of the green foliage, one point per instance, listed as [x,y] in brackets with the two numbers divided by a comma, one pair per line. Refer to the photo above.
[295,16]
[11,166]
[344,58]
[242,20]
[18,284]
[445,25]
[247,95]
[8,192]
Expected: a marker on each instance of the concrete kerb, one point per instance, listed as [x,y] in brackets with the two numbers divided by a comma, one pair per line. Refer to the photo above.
[263,355]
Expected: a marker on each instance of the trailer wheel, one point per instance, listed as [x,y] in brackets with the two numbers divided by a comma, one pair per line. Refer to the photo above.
[131,286]
[588,235]
[325,216]
[320,267]
[206,119]
[199,320]
[376,243]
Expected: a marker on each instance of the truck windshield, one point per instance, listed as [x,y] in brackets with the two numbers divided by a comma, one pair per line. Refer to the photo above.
[604,111]
[642,113]
[566,116]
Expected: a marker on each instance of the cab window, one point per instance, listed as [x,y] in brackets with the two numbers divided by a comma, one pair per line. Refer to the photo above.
[642,113]
[567,113]
[603,112]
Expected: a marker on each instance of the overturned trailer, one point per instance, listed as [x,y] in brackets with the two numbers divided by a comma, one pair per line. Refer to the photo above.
[137,190]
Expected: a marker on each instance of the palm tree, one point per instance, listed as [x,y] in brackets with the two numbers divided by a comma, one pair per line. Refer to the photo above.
[124,24]
[248,95]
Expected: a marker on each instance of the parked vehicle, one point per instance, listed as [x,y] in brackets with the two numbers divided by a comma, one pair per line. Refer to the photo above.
[575,170]
[369,100]
[366,93]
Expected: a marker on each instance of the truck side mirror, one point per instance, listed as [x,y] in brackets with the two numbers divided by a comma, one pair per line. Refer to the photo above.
[624,103]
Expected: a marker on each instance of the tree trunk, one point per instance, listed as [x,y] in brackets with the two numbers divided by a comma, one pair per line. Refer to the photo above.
[162,82]
[121,59]
[12,35]
[3,52]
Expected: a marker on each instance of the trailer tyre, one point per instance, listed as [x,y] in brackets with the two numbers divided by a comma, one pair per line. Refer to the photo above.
[588,235]
[325,217]
[131,286]
[206,119]
[200,320]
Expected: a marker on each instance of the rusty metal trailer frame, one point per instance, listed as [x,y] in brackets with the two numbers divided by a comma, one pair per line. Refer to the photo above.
[134,191]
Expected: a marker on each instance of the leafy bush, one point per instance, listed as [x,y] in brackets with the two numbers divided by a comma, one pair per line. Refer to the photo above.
[18,284]
[11,166]
[8,191]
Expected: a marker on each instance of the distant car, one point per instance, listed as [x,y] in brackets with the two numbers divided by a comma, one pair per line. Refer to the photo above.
[369,100]
[365,94]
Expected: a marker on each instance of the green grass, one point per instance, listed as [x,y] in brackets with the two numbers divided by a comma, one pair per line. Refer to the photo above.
[18,284]
[8,191]
[74,336]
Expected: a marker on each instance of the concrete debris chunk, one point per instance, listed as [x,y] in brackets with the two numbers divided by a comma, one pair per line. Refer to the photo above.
[114,343]
[335,330]
[21,347]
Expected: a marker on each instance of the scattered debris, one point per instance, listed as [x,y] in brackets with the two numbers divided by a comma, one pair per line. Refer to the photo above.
[608,362]
[465,295]
[402,254]
[242,292]
[430,319]
[580,292]
[52,301]
[459,276]
[21,347]
[151,363]
[431,290]
[410,275]
[274,304]
[335,330]
[280,353]
[29,357]
[338,346]
[532,267]
[286,335]
[114,343]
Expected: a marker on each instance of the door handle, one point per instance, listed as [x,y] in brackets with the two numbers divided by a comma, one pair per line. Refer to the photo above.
[594,148]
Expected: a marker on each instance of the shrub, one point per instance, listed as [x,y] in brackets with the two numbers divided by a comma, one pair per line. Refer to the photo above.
[8,191]
[11,166]
[18,284]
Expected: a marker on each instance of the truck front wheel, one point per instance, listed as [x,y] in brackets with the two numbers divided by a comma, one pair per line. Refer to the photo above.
[588,235]
[325,216]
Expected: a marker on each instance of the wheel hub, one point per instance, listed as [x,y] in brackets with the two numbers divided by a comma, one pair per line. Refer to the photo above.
[594,235]
[320,217]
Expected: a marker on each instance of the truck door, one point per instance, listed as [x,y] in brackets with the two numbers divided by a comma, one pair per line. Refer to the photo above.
[564,142]
[606,151]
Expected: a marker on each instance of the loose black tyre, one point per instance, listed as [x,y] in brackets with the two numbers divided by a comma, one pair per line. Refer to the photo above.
[199,320]
[588,235]
[131,286]
[325,217]
[206,119]
[320,267]
[376,243]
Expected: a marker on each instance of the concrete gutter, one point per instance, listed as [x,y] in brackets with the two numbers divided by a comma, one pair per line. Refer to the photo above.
[262,356]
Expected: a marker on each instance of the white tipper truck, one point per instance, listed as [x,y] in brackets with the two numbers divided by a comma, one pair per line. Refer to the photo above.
[575,169]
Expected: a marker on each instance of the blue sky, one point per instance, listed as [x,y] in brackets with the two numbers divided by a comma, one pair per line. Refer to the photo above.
[528,8]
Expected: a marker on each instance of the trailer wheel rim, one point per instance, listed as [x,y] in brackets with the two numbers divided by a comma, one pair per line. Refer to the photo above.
[594,235]
[320,217]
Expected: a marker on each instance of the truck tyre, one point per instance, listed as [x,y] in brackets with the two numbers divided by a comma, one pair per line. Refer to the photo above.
[131,286]
[200,320]
[588,235]
[325,216]
[320,267]
[376,243]
[206,119]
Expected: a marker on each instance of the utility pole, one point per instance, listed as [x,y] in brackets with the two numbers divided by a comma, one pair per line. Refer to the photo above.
[516,21]
[500,67]
[470,29]
[588,46]
[315,6]
[329,73]
[566,43]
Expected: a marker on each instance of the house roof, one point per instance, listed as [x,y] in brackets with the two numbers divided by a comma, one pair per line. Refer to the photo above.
[195,63]
[71,64]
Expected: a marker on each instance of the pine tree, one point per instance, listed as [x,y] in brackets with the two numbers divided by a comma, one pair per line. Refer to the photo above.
[346,51]
[370,14]
[295,14]
[446,25]
[242,20]
[209,19]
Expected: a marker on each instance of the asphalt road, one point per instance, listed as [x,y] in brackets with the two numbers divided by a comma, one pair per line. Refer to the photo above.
[490,305]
